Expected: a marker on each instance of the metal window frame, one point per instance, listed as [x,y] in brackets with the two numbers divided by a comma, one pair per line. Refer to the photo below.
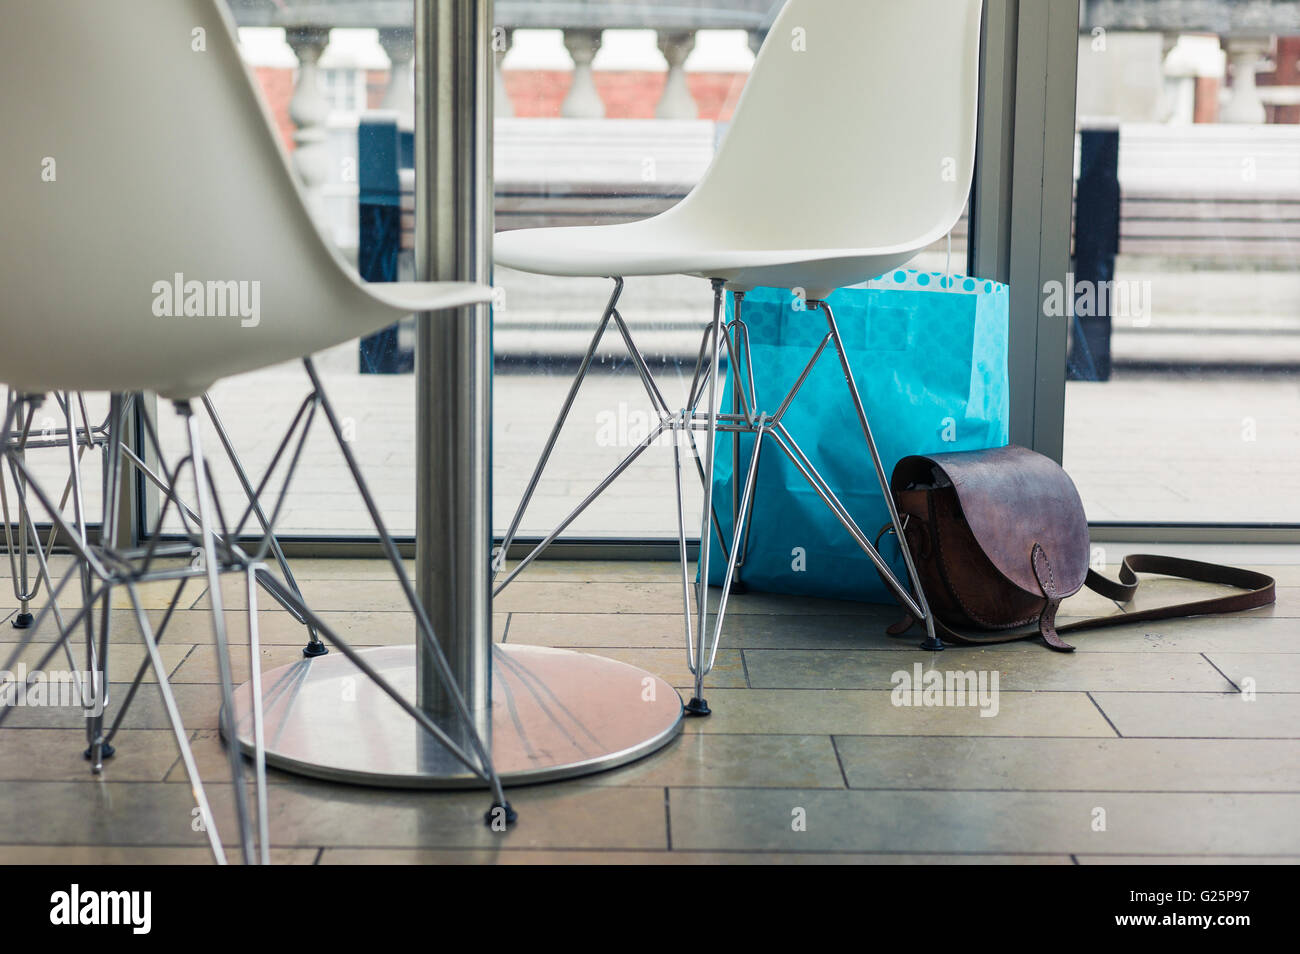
[1023,196]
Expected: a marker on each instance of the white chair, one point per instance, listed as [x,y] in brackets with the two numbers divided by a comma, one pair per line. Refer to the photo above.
[851,150]
[156,240]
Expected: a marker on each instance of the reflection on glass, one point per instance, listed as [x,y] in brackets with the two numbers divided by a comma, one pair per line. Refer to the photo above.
[1183,399]
[321,69]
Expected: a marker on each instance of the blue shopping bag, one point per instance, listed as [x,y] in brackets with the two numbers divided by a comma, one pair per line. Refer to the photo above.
[929,355]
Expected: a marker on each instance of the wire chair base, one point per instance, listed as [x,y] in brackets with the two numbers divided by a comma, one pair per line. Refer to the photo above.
[701,413]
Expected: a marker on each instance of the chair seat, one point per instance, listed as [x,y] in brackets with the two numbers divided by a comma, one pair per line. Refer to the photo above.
[427,296]
[182,358]
[659,246]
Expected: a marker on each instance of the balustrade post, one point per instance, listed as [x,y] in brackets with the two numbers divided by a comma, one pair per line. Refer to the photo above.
[583,102]
[399,44]
[309,110]
[1246,56]
[502,39]
[677,101]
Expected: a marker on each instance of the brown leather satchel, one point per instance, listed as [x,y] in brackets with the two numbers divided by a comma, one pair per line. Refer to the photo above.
[999,538]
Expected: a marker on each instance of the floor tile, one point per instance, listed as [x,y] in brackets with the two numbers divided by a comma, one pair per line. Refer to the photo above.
[597,571]
[1264,672]
[1045,671]
[156,595]
[569,815]
[1202,715]
[670,664]
[857,712]
[1167,592]
[1214,860]
[200,666]
[599,630]
[334,596]
[198,706]
[658,598]
[384,856]
[213,762]
[126,656]
[1239,633]
[341,568]
[110,813]
[57,755]
[275,627]
[864,630]
[1153,765]
[1010,822]
[136,855]
[743,761]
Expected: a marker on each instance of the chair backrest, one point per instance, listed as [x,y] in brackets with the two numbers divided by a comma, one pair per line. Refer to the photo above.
[141,181]
[856,129]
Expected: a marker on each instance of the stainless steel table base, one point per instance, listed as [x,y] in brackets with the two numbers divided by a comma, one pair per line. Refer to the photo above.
[554,714]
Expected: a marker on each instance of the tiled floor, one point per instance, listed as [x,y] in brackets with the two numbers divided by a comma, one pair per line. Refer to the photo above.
[1148,743]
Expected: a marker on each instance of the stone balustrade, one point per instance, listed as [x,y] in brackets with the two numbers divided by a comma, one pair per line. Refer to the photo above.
[1247,29]
[308,25]
[1245,26]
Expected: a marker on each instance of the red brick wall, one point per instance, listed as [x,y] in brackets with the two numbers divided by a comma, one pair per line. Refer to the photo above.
[1206,109]
[376,87]
[717,93]
[626,94]
[539,93]
[1287,73]
[277,89]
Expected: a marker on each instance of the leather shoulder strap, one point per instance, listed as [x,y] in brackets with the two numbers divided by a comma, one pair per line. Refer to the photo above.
[1254,590]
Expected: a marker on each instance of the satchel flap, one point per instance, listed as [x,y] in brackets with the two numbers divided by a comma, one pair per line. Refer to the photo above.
[1013,498]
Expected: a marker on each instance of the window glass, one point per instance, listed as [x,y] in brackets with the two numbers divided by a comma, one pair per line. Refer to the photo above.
[1183,401]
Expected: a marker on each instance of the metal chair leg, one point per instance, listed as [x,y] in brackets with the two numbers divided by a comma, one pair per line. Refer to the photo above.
[932,641]
[737,391]
[212,565]
[99,748]
[314,645]
[25,587]
[259,733]
[583,368]
[699,706]
[89,567]
[207,823]
[424,627]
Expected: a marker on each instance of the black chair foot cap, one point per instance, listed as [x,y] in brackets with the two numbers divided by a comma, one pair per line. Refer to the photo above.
[934,645]
[498,813]
[698,707]
[738,587]
[312,650]
[23,620]
[106,752]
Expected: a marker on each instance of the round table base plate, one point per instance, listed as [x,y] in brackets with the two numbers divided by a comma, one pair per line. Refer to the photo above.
[555,714]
